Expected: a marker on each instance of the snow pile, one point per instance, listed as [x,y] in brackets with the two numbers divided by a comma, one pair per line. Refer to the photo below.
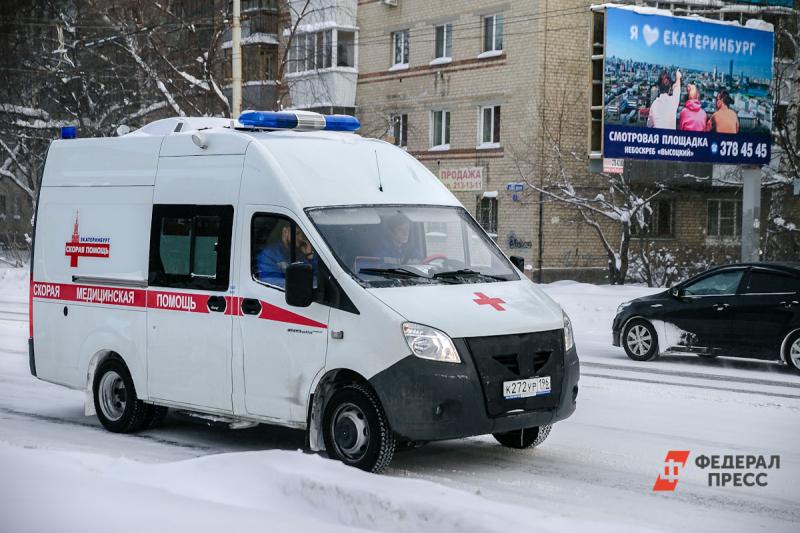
[13,284]
[253,491]
[592,307]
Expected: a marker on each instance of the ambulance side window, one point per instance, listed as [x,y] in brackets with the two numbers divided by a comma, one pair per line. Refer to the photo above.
[190,246]
[276,242]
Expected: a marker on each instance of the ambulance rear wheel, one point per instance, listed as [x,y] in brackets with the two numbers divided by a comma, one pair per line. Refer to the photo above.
[356,430]
[523,438]
[154,416]
[115,401]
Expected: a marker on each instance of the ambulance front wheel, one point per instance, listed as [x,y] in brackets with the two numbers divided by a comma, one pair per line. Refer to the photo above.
[523,438]
[115,401]
[356,430]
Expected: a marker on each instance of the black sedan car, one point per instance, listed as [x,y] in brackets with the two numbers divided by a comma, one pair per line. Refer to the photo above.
[744,310]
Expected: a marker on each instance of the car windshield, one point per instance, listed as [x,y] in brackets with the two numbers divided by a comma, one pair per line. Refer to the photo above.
[388,246]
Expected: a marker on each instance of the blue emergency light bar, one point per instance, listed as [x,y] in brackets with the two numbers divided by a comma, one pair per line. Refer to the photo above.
[287,120]
[69,132]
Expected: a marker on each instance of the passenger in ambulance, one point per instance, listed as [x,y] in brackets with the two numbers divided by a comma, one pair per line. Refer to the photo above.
[272,261]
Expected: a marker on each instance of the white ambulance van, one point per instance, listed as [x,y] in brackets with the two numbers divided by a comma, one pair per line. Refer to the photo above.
[284,270]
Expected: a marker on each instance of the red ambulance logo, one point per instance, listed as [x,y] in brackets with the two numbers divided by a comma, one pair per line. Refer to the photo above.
[85,246]
[482,299]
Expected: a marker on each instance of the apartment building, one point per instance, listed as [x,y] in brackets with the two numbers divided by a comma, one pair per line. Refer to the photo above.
[493,96]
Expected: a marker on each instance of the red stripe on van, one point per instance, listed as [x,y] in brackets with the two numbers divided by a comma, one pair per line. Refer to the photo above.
[177,301]
[233,305]
[153,299]
[30,308]
[278,314]
[90,294]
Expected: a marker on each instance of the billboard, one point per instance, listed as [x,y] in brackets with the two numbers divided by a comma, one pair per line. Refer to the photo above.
[686,89]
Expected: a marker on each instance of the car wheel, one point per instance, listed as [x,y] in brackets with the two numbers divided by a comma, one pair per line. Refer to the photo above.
[523,438]
[356,430]
[639,340]
[115,401]
[792,355]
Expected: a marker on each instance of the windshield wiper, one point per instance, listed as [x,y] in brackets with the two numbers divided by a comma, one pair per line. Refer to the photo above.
[466,272]
[397,271]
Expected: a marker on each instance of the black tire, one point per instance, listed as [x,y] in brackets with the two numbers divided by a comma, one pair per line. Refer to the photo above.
[356,430]
[118,408]
[791,350]
[154,416]
[523,438]
[639,340]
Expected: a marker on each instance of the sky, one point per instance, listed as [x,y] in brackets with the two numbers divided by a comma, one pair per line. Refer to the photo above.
[620,44]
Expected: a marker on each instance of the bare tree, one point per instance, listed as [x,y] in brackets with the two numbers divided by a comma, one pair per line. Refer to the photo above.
[608,203]
[99,65]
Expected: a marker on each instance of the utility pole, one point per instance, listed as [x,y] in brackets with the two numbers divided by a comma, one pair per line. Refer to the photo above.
[236,57]
[751,213]
[540,239]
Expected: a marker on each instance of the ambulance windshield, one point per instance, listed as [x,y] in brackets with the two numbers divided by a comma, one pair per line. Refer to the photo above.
[389,246]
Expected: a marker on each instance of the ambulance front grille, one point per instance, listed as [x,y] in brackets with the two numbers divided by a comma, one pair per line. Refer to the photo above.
[503,358]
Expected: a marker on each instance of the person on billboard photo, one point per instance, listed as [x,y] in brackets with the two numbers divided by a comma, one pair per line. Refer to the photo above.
[724,119]
[664,110]
[692,117]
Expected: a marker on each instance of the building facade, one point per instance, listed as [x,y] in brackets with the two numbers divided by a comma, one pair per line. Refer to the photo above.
[493,96]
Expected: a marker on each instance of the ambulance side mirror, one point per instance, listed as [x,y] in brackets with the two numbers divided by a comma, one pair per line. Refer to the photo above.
[299,284]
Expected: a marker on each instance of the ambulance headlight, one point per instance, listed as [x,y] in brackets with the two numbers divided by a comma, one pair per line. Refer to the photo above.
[430,343]
[569,337]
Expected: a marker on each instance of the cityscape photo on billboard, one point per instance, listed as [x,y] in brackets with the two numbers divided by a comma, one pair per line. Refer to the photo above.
[686,89]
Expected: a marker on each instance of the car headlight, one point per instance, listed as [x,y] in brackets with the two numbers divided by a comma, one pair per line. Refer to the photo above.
[622,306]
[430,343]
[569,337]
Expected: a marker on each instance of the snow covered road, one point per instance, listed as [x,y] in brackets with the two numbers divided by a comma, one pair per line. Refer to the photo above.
[596,471]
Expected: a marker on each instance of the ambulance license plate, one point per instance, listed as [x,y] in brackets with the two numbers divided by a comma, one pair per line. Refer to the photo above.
[525,388]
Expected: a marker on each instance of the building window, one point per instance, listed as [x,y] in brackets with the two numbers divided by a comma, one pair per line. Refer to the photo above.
[444,41]
[259,22]
[400,130]
[724,218]
[310,51]
[346,49]
[493,33]
[247,5]
[400,45]
[487,214]
[259,63]
[658,220]
[490,125]
[17,206]
[440,134]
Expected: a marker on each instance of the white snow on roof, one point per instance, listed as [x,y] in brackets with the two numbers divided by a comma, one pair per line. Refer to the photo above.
[256,38]
[165,126]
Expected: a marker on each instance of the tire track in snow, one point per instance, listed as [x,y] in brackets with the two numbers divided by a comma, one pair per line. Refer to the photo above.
[692,385]
[681,374]
[68,422]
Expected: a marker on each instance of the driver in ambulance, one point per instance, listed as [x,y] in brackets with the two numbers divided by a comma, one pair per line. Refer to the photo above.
[273,260]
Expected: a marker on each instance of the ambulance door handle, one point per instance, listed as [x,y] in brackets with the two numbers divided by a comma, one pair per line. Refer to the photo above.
[251,306]
[216,304]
